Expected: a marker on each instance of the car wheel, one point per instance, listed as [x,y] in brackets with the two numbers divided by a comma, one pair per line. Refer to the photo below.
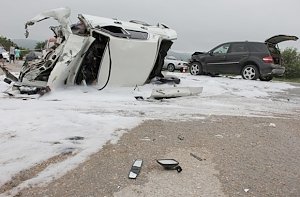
[266,78]
[250,72]
[171,67]
[196,68]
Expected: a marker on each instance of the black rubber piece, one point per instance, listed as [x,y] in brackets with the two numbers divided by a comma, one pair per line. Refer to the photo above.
[178,168]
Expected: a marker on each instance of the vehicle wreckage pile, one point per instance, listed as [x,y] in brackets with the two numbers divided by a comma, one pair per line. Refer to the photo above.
[96,51]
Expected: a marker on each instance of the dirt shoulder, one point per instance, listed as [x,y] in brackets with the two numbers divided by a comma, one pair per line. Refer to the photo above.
[12,67]
[241,156]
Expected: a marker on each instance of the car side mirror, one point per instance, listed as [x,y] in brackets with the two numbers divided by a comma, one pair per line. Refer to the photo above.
[210,53]
[170,164]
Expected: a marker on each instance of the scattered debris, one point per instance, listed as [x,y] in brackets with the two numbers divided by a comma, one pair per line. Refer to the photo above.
[170,164]
[53,100]
[196,157]
[162,136]
[174,92]
[44,90]
[180,137]
[76,138]
[163,80]
[219,136]
[9,77]
[135,169]
[139,98]
[145,139]
[142,113]
[6,80]
[68,151]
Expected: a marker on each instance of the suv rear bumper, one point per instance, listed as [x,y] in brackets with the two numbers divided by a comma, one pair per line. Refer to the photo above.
[278,71]
[273,69]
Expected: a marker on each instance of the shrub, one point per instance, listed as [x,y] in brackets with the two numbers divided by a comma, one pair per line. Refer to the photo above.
[291,61]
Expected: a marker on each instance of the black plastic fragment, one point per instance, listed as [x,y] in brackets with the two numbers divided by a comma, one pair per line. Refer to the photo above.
[76,138]
[6,80]
[196,157]
[178,168]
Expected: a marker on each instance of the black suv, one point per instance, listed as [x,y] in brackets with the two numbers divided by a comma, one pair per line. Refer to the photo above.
[252,60]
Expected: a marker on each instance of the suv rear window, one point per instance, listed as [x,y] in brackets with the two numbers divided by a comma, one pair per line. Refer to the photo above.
[238,48]
[258,47]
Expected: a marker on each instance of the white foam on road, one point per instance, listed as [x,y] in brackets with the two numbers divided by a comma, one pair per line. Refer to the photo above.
[35,130]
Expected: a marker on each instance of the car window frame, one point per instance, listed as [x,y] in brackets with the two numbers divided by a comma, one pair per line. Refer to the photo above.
[143,35]
[124,34]
[219,46]
[238,43]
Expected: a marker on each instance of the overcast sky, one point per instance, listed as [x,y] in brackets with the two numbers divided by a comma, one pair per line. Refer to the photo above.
[200,24]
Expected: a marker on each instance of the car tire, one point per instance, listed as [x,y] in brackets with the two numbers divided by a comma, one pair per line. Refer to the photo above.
[250,72]
[196,68]
[171,67]
[266,78]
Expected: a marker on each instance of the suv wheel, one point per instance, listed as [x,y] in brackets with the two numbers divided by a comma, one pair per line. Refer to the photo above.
[266,78]
[196,68]
[171,67]
[250,72]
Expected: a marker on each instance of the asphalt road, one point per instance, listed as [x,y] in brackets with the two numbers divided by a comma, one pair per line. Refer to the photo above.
[241,156]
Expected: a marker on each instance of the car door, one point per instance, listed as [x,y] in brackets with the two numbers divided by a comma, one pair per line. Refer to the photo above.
[216,60]
[236,53]
[128,62]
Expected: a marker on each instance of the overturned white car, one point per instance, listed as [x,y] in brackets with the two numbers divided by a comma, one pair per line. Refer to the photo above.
[97,51]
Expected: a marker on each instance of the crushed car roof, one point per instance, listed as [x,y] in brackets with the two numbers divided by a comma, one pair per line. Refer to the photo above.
[160,29]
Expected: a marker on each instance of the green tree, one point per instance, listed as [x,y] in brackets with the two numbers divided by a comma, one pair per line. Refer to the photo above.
[291,61]
[6,43]
[40,45]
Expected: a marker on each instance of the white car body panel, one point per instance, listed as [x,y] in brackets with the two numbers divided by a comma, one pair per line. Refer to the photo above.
[77,61]
[60,14]
[163,32]
[132,61]
[63,67]
[174,92]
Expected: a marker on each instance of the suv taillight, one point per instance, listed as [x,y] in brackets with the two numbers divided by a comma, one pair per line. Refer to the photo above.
[268,59]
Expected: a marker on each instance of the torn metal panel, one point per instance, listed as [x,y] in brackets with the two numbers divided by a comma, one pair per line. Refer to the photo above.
[174,92]
[60,14]
[99,22]
[65,63]
[8,74]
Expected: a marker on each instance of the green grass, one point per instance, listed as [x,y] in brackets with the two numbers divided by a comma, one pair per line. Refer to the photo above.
[294,80]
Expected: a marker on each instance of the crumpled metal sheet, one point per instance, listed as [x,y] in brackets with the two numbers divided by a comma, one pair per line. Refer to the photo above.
[60,14]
